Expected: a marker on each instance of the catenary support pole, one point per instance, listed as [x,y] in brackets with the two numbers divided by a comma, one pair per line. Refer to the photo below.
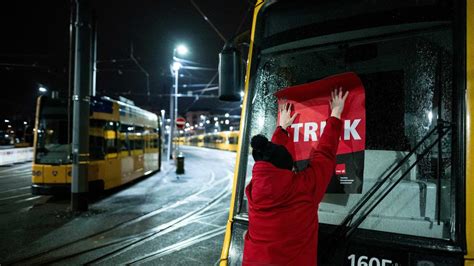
[93,54]
[173,113]
[81,104]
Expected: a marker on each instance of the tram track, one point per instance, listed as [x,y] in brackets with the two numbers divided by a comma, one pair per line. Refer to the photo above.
[178,246]
[164,229]
[150,233]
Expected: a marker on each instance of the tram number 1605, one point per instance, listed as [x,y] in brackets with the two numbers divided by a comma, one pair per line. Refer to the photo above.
[366,261]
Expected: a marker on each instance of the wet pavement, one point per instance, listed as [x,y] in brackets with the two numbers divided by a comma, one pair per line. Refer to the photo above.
[163,219]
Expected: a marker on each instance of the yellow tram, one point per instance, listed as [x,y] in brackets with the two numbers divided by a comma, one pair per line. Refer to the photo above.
[124,144]
[416,61]
[225,140]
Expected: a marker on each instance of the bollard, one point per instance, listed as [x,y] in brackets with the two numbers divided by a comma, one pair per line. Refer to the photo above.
[180,164]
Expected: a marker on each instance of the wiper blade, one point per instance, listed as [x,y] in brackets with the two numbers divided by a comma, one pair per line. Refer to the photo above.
[345,229]
[361,218]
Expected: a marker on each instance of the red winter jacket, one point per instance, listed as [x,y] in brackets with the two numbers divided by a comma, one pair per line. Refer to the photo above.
[283,205]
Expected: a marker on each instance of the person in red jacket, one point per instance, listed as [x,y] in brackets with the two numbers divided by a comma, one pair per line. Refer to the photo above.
[283,205]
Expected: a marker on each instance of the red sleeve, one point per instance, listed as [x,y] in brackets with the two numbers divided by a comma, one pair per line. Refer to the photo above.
[323,159]
[280,136]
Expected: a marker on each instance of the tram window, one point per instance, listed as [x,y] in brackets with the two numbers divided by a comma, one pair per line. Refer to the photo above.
[138,143]
[154,143]
[219,139]
[404,77]
[96,139]
[124,143]
[52,145]
[124,138]
[111,145]
[96,148]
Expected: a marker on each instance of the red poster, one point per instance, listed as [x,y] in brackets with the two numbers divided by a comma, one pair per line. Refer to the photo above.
[311,101]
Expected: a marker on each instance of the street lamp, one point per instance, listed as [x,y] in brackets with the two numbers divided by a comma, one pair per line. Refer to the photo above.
[181,50]
[42,89]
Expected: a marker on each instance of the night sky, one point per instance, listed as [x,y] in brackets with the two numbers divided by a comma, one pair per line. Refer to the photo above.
[34,48]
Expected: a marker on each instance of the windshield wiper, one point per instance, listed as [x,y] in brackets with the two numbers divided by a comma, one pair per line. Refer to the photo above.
[348,226]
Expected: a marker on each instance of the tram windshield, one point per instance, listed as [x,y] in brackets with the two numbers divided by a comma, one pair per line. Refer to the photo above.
[407,74]
[52,145]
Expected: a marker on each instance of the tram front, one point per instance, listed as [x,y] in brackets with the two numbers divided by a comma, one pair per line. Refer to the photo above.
[409,205]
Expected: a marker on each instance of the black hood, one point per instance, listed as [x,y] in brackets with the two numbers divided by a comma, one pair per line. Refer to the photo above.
[264,150]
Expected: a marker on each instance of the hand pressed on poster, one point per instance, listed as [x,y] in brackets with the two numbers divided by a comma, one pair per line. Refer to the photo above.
[285,115]
[337,102]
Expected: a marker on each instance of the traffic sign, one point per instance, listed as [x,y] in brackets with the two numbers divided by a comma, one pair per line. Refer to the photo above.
[180,122]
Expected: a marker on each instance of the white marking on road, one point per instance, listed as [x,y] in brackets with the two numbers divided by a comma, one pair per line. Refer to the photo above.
[25,200]
[15,189]
[213,225]
[16,196]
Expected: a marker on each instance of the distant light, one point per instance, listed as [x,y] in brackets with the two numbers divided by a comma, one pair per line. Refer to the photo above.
[226,114]
[163,112]
[181,132]
[181,75]
[130,128]
[240,106]
[430,116]
[167,127]
[7,121]
[111,123]
[42,89]
[216,124]
[196,125]
[187,124]
[25,123]
[176,66]
[202,117]
[185,85]
[9,126]
[168,120]
[208,122]
[241,93]
[6,135]
[201,124]
[215,130]
[231,128]
[182,49]
[222,122]
[215,118]
[192,128]
[227,121]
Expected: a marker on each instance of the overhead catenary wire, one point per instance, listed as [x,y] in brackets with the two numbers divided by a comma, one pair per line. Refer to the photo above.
[208,21]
